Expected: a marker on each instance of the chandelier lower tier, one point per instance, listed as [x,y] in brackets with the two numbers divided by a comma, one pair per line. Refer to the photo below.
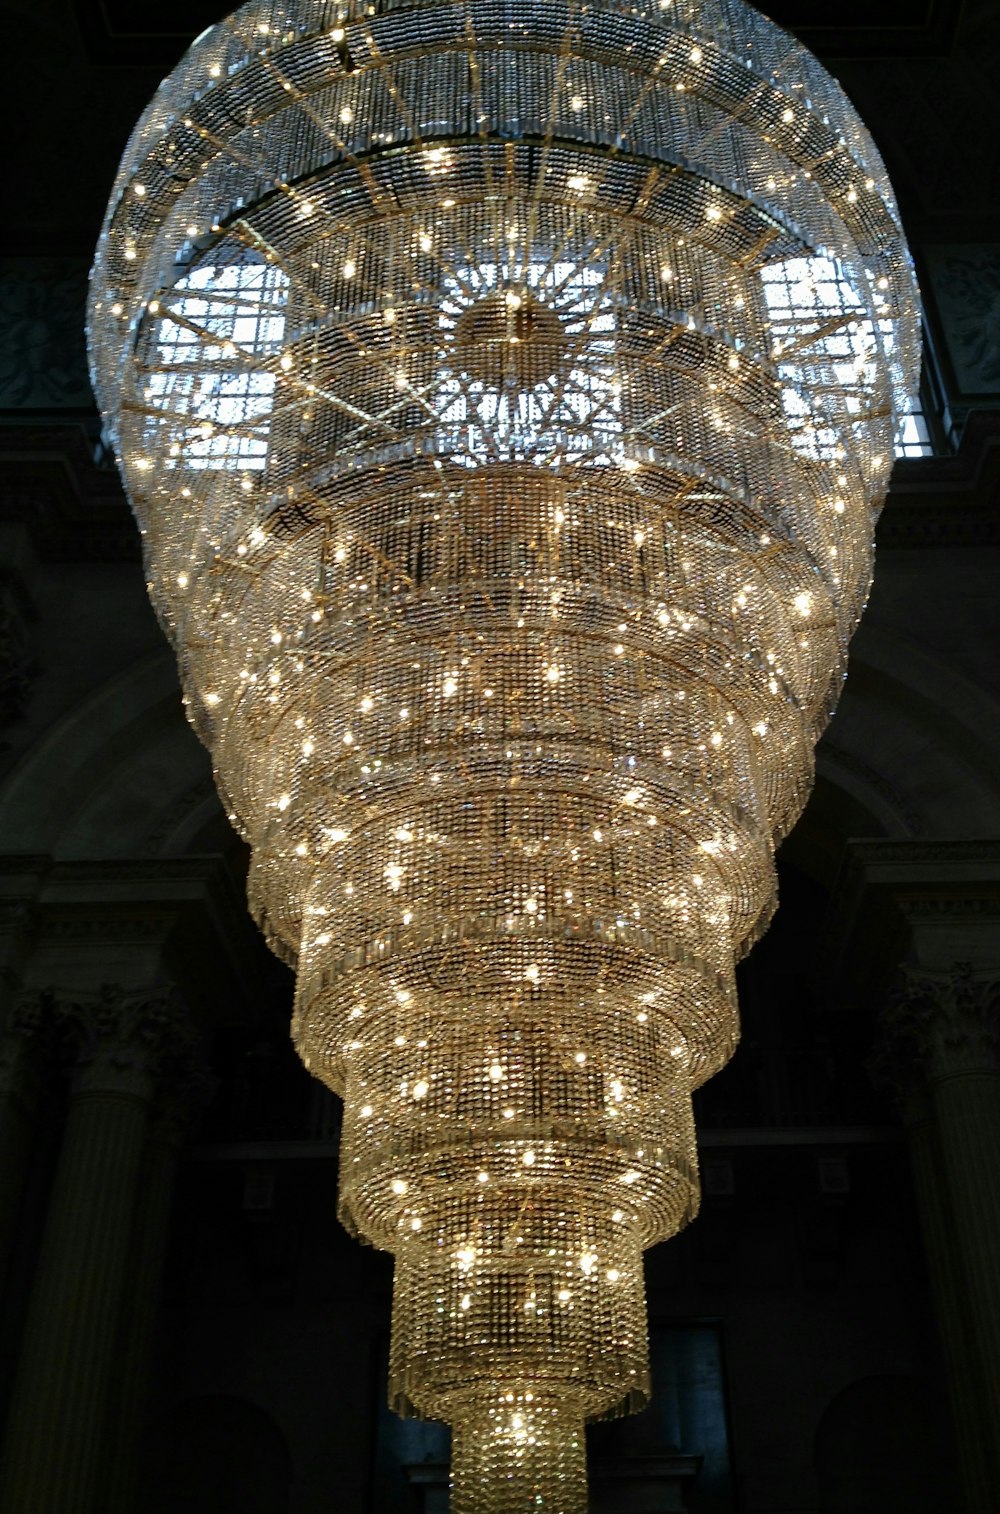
[506,393]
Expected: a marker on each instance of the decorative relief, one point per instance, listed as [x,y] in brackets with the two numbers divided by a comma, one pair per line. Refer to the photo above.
[175,814]
[965,280]
[123,1041]
[837,756]
[928,851]
[29,1029]
[938,1025]
[110,928]
[17,664]
[43,362]
[116,1041]
[33,1014]
[959,890]
[984,903]
[958,523]
[186,1090]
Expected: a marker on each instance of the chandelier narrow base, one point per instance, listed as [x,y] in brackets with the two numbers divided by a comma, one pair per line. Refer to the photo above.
[518,1454]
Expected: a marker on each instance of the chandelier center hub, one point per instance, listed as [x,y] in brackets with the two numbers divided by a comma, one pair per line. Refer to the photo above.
[511,340]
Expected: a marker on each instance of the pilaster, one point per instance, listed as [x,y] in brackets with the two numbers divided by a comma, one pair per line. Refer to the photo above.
[182,1096]
[56,1433]
[914,932]
[25,1038]
[939,1049]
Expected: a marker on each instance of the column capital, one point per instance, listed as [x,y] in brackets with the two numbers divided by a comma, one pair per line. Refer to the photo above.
[939,1025]
[190,1089]
[27,1028]
[123,1040]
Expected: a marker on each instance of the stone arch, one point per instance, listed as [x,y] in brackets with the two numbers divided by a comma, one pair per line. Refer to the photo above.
[913,741]
[880,1446]
[120,774]
[218,1454]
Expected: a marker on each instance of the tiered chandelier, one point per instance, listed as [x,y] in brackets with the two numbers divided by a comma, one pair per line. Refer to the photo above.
[506,391]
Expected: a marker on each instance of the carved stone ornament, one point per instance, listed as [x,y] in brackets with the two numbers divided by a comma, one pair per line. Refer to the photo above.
[938,1025]
[186,1090]
[28,1028]
[123,1040]
[41,321]
[17,663]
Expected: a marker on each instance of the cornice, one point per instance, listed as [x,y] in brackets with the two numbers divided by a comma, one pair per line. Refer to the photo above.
[942,523]
[74,510]
[922,854]
[129,898]
[885,889]
[829,754]
[154,870]
[134,927]
[15,865]
[187,913]
[157,885]
[947,501]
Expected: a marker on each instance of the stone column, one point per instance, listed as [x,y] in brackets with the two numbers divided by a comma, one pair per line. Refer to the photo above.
[940,1039]
[24,1024]
[185,1092]
[56,1431]
[24,1039]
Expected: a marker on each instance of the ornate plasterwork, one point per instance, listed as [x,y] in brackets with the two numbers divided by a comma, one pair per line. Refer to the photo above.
[839,758]
[965,278]
[959,877]
[122,1040]
[17,662]
[43,364]
[939,1025]
[28,1029]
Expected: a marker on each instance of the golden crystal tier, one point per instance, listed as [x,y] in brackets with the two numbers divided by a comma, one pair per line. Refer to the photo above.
[506,393]
[518,1450]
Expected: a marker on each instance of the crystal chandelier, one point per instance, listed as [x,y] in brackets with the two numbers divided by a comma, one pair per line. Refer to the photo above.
[506,392]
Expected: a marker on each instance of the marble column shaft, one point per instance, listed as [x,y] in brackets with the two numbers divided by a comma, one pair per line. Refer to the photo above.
[953,1306]
[128,1407]
[967,1117]
[24,1026]
[21,1058]
[940,1043]
[55,1436]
